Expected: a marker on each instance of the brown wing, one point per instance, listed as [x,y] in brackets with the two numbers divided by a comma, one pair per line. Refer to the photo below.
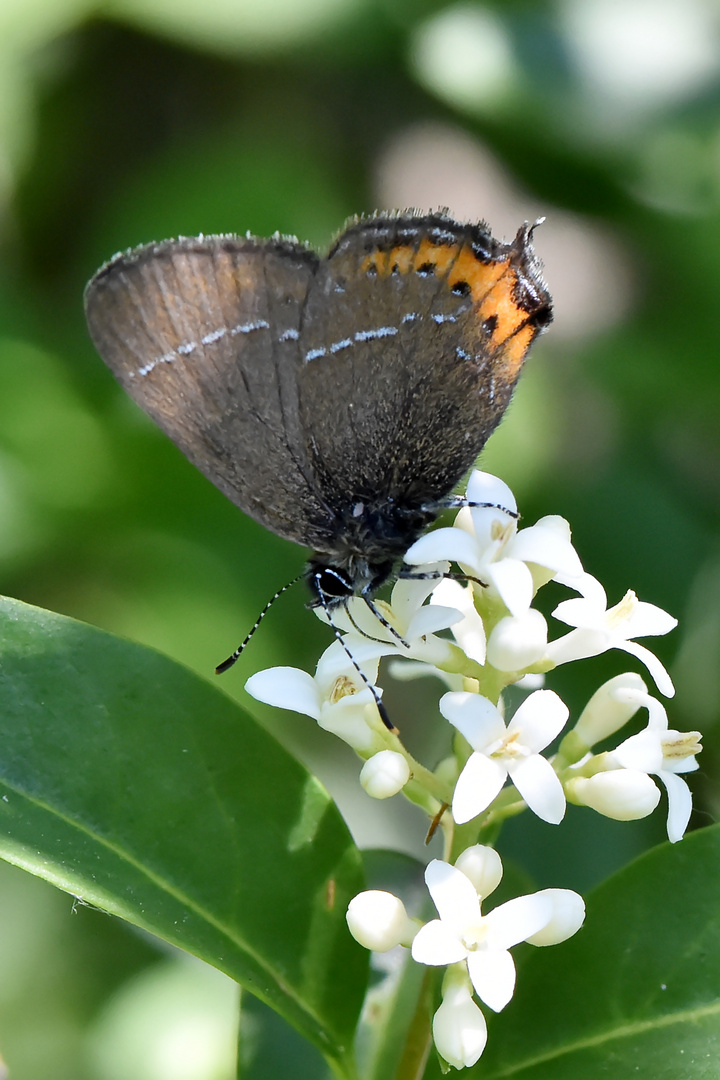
[413,337]
[203,334]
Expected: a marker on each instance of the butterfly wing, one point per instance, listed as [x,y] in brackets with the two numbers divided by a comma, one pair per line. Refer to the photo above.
[413,337]
[203,334]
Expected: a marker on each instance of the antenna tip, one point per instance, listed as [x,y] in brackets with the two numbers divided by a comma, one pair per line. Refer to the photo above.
[226,664]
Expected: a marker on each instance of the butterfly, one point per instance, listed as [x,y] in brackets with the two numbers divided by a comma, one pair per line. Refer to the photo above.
[337,400]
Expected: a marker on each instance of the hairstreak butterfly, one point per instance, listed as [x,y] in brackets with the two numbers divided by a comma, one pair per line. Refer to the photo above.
[336,400]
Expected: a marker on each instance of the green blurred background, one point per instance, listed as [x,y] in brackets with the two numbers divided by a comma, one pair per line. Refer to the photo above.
[142,119]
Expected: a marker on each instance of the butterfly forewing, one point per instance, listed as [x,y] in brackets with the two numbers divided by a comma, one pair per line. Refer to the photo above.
[203,334]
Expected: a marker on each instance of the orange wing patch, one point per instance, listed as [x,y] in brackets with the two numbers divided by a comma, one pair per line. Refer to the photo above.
[492,286]
[480,276]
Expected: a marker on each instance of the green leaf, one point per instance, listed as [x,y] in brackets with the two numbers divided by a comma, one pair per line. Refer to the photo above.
[130,782]
[636,991]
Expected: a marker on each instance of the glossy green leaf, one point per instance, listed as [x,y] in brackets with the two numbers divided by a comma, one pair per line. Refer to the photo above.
[636,992]
[130,782]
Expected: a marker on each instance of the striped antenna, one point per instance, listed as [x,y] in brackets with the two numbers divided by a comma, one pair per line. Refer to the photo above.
[380,618]
[226,664]
[408,574]
[459,502]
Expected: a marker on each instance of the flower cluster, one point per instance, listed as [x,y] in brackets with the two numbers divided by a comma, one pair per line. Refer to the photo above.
[480,638]
[472,947]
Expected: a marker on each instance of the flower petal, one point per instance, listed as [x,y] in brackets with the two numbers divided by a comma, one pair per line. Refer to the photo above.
[513,582]
[679,805]
[449,545]
[647,619]
[474,716]
[588,586]
[478,784]
[518,919]
[538,783]
[435,944]
[429,619]
[492,973]
[567,917]
[469,632]
[286,688]
[547,543]
[539,719]
[347,719]
[577,645]
[657,670]
[453,895]
[642,751]
[494,497]
[335,661]
[410,593]
[586,612]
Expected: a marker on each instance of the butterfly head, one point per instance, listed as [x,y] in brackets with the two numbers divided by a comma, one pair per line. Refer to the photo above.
[371,539]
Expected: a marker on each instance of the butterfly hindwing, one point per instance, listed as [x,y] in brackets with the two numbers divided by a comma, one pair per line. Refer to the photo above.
[413,337]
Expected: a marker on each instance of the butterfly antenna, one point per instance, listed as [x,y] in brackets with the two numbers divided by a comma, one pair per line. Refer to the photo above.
[408,574]
[380,618]
[226,664]
[383,622]
[459,502]
[338,636]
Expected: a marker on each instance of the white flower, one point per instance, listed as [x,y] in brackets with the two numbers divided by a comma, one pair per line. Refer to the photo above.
[663,753]
[384,774]
[486,541]
[623,794]
[378,921]
[336,696]
[462,933]
[459,1027]
[599,629]
[501,752]
[411,624]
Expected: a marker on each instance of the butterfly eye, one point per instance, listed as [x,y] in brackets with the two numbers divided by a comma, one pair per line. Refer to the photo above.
[331,583]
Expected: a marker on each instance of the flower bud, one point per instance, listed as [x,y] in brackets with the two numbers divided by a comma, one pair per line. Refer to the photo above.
[567,917]
[608,709]
[385,774]
[459,1028]
[517,641]
[379,921]
[622,794]
[483,866]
